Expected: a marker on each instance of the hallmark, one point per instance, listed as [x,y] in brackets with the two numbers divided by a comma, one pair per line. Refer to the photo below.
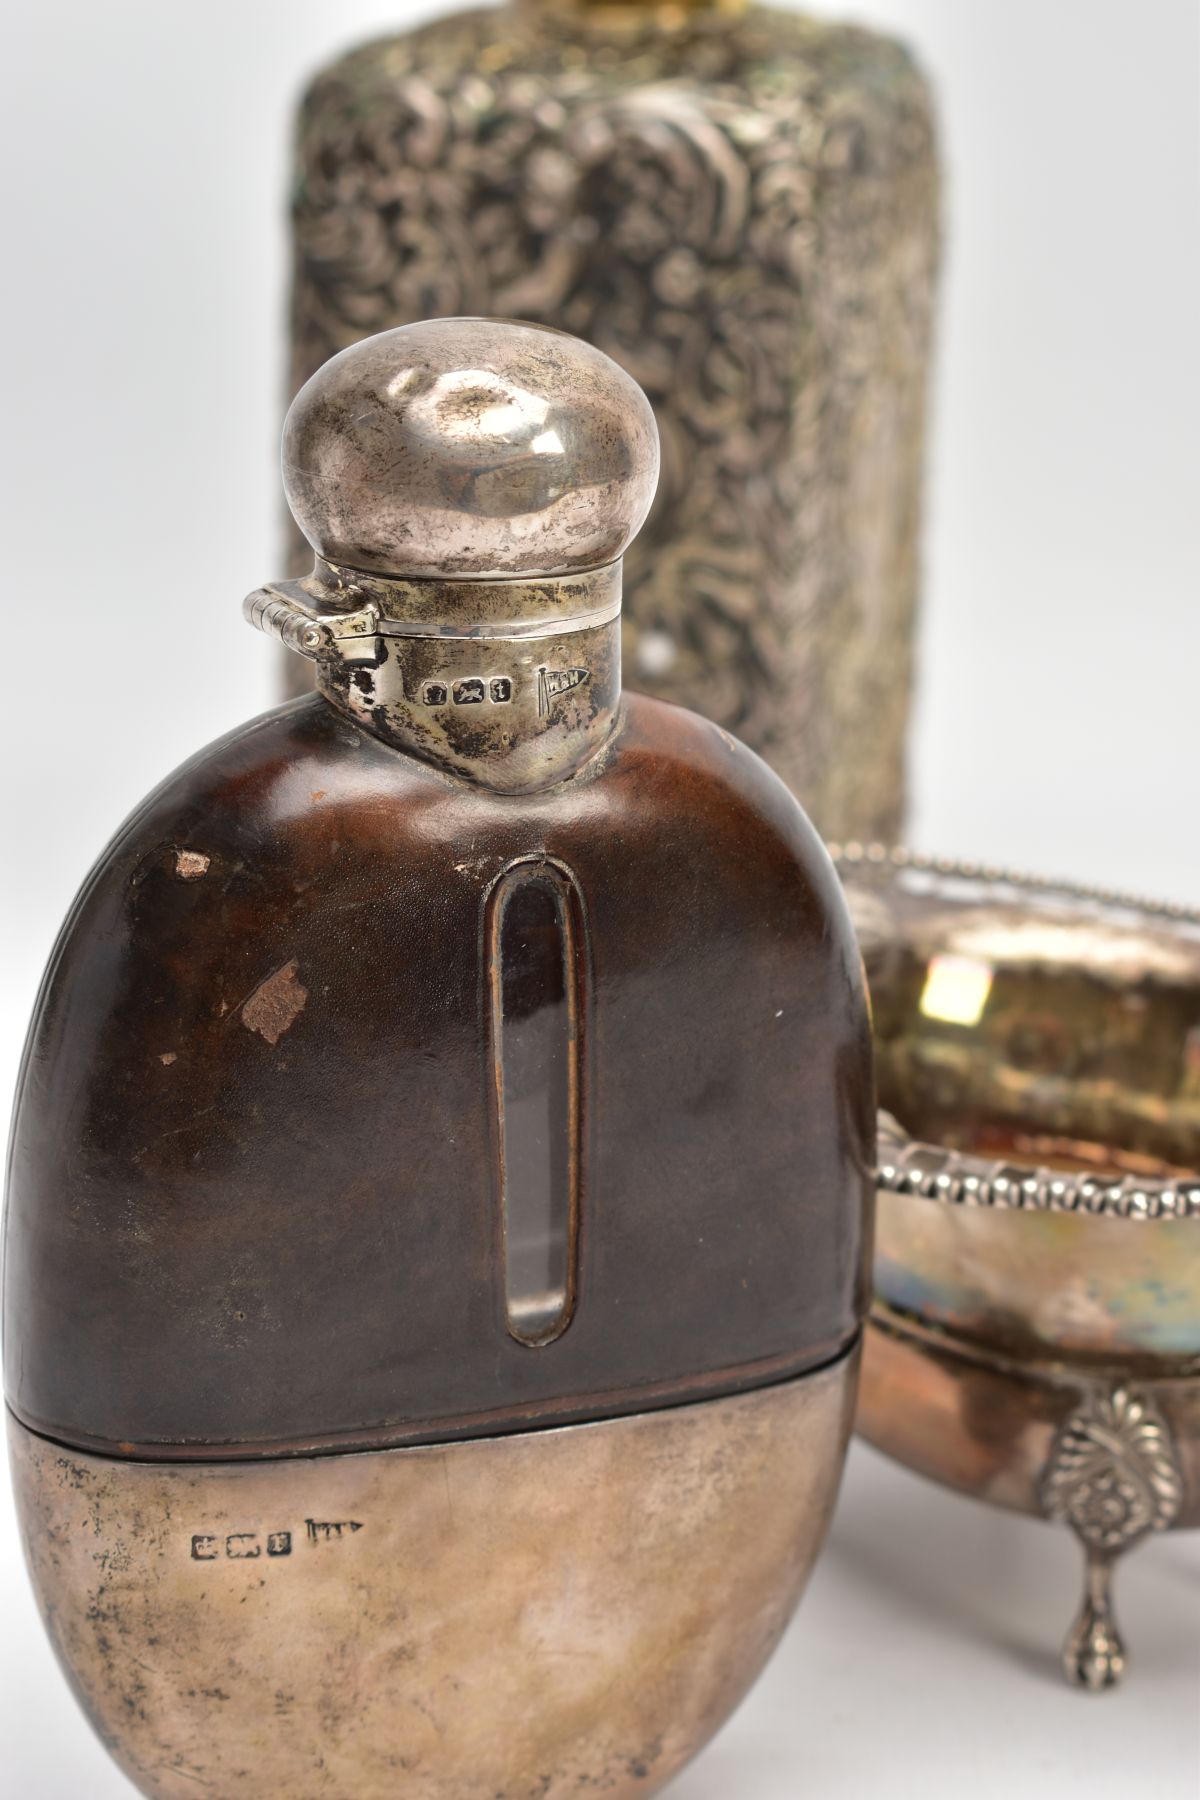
[248,1546]
[328,1531]
[552,682]
[240,1546]
[472,690]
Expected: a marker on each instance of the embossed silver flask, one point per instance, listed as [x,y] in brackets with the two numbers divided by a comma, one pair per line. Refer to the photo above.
[740,206]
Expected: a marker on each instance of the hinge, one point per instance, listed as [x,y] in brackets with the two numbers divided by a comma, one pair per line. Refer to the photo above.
[281,612]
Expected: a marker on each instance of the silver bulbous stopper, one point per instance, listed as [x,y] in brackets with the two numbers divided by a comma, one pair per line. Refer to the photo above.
[470,448]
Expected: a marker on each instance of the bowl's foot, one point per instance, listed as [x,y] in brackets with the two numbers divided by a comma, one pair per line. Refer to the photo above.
[1094,1653]
[1114,1477]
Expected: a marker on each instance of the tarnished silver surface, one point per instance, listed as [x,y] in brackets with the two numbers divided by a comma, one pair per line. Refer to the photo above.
[546,1616]
[469,487]
[1114,1477]
[740,206]
[471,448]
[1035,1334]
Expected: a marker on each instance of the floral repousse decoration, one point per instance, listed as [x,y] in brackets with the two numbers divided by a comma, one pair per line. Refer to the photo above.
[743,213]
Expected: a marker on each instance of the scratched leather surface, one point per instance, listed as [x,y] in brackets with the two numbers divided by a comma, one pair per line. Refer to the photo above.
[254,1198]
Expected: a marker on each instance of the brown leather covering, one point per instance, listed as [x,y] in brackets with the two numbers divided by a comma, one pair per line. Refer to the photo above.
[253,1202]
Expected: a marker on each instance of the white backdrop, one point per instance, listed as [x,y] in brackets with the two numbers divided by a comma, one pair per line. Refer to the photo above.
[144,153]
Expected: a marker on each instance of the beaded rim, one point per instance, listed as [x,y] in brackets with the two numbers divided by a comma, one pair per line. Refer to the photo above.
[897,856]
[955,1178]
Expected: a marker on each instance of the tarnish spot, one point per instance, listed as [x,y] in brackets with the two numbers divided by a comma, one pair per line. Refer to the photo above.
[167,1058]
[190,865]
[275,1004]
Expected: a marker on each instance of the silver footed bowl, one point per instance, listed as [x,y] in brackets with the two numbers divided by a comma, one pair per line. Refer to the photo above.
[1035,1333]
